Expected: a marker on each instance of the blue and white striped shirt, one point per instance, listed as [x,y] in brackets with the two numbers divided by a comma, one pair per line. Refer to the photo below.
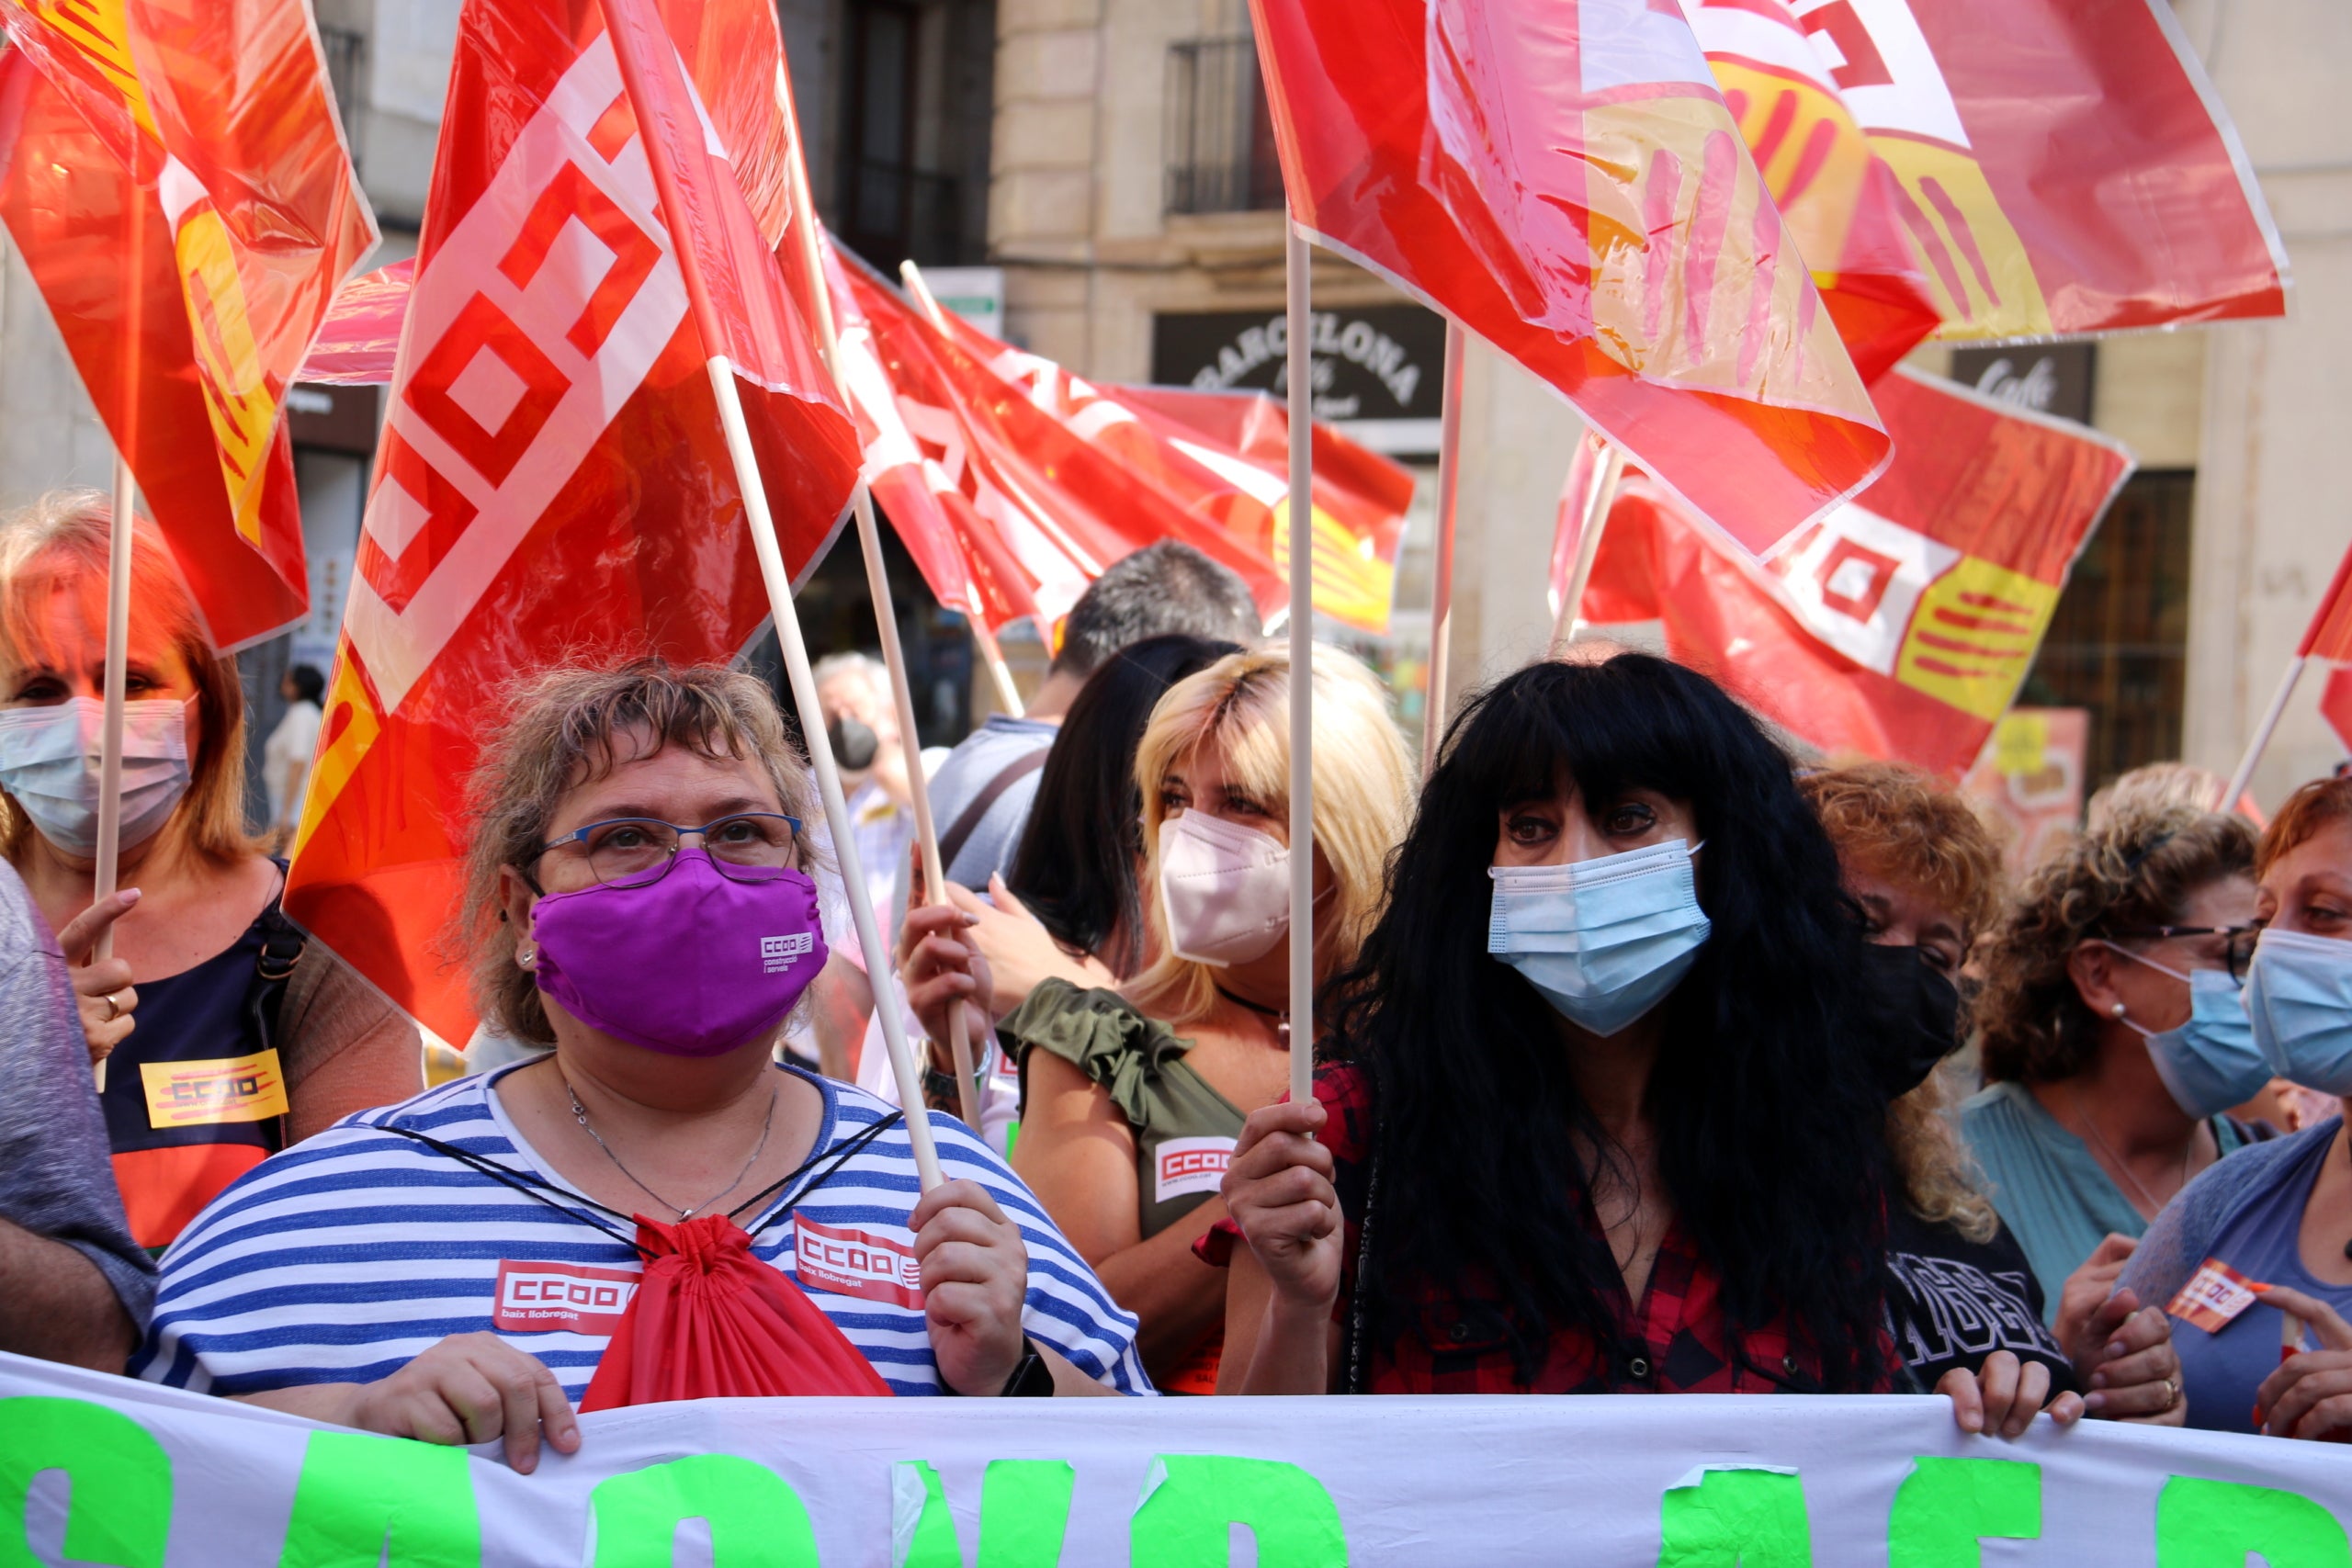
[344,1257]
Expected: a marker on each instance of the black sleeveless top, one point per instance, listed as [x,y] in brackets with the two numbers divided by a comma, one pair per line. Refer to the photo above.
[196,1095]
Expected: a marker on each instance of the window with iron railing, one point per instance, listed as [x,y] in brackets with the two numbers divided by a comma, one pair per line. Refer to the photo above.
[346,51]
[1220,138]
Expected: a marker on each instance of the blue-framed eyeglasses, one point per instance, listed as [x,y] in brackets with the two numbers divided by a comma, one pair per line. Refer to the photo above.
[630,851]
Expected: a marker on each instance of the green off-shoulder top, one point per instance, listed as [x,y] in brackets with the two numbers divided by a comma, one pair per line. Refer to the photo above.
[1185,1130]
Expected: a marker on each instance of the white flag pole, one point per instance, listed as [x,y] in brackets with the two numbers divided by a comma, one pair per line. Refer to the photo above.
[1299,326]
[2236,790]
[778,582]
[108,871]
[1595,519]
[1449,490]
[991,656]
[885,620]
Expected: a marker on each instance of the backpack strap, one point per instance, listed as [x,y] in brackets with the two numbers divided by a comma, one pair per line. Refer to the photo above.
[282,945]
[967,821]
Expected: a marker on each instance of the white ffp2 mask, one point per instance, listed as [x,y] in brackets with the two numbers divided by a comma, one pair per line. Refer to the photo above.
[1224,888]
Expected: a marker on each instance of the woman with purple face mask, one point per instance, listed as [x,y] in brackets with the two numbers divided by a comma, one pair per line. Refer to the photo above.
[1132,1098]
[639,904]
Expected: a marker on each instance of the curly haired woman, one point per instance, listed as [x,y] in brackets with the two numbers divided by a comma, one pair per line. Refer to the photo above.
[2114,1036]
[1965,1308]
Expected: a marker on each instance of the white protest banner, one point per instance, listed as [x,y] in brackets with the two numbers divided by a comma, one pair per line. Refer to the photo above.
[97,1469]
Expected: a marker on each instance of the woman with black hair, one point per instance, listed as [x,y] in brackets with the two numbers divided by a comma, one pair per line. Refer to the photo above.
[1590,1120]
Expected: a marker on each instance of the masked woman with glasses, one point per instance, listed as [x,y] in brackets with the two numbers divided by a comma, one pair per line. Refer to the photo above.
[1587,1120]
[211,992]
[2114,1040]
[2276,1360]
[651,1209]
[1132,1098]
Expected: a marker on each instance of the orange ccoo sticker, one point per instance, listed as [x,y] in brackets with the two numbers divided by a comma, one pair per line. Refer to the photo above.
[232,1089]
[2213,1297]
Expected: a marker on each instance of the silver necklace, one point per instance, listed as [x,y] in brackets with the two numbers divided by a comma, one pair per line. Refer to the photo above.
[579,1114]
[2074,1099]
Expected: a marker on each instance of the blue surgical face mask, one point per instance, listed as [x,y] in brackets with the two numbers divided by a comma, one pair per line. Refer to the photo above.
[2211,1063]
[49,763]
[1604,940]
[2299,993]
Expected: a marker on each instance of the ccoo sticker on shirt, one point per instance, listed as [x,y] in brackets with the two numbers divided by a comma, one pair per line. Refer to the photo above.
[1190,1165]
[548,1298]
[2213,1297]
[231,1088]
[857,1263]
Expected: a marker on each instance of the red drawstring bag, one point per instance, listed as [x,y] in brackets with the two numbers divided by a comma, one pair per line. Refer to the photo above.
[710,1321]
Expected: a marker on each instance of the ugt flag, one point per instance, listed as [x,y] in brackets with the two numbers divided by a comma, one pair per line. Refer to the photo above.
[2064,165]
[175,179]
[1839,200]
[1014,483]
[552,482]
[1901,625]
[1564,180]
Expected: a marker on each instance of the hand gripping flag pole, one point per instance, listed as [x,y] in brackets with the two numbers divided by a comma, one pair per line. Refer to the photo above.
[779,587]
[1300,325]
[991,655]
[886,618]
[1449,493]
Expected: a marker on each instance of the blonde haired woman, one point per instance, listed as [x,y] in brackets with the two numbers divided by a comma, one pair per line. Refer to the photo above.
[1132,1098]
[266,1038]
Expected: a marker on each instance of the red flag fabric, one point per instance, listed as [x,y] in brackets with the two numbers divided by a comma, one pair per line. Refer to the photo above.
[361,335]
[2329,636]
[552,479]
[1566,182]
[2336,704]
[1839,200]
[175,179]
[2064,165]
[1014,483]
[1901,625]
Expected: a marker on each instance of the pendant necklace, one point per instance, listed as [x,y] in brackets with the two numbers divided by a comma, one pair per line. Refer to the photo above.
[579,1114]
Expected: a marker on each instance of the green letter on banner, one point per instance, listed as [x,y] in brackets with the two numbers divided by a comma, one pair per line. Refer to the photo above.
[1192,1502]
[120,1510]
[366,1500]
[1024,1512]
[2213,1524]
[1735,1518]
[1945,1506]
[756,1520]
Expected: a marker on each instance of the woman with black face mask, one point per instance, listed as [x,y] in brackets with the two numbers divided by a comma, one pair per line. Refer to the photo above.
[1964,1303]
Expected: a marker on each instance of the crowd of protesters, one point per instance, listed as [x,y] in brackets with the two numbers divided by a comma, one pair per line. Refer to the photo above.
[1649,1057]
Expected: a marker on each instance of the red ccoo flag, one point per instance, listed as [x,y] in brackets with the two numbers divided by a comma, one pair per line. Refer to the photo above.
[1014,483]
[1840,200]
[553,481]
[2064,164]
[1565,181]
[175,178]
[1901,625]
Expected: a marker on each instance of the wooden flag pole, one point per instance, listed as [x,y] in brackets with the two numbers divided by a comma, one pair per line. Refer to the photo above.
[991,656]
[108,871]
[2236,790]
[1448,491]
[1596,518]
[1299,326]
[778,582]
[886,621]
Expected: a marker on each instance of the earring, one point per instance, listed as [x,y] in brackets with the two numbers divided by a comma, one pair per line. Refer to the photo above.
[2116,1012]
[527,957]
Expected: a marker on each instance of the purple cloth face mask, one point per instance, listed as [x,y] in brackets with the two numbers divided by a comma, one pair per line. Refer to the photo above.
[692,966]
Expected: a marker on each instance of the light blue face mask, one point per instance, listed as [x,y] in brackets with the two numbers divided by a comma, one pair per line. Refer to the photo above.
[1604,940]
[2211,1063]
[2299,993]
[49,763]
